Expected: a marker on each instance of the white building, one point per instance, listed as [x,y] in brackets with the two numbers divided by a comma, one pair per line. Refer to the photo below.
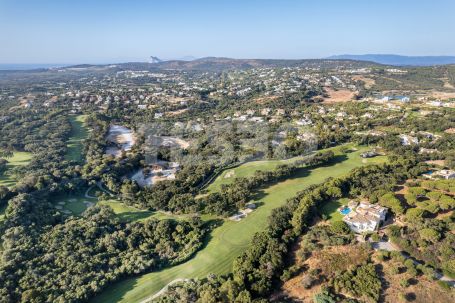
[446,174]
[366,217]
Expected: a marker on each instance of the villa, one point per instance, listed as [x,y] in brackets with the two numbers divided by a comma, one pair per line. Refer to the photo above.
[366,217]
[443,173]
[446,174]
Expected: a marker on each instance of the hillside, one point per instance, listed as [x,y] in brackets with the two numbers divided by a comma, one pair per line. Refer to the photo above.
[399,60]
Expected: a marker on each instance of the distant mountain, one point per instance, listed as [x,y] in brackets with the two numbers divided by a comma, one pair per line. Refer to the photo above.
[220,63]
[154,60]
[400,60]
[187,58]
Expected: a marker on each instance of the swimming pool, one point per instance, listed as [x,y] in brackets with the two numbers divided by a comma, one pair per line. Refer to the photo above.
[345,211]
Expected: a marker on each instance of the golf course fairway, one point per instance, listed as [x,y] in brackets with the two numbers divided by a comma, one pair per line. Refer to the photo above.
[79,133]
[230,239]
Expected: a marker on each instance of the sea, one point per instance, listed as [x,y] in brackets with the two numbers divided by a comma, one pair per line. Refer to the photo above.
[13,66]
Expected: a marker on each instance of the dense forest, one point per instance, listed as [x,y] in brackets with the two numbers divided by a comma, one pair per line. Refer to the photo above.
[69,261]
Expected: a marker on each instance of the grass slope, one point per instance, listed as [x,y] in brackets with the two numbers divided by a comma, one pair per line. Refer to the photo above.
[74,203]
[18,159]
[230,239]
[245,170]
[78,134]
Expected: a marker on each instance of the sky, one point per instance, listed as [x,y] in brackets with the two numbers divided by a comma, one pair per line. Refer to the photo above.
[109,31]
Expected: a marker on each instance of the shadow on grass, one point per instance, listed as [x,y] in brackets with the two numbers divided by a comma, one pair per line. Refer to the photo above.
[134,215]
[329,208]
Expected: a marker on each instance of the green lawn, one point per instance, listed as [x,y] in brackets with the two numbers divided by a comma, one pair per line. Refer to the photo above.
[78,134]
[330,209]
[18,159]
[230,239]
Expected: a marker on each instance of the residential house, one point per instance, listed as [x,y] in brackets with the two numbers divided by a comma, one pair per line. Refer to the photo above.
[446,173]
[366,217]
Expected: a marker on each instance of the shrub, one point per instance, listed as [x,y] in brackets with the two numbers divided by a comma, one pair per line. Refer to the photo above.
[383,255]
[404,283]
[394,269]
[375,237]
[444,285]
[324,297]
[340,227]
[361,282]
[289,273]
[428,271]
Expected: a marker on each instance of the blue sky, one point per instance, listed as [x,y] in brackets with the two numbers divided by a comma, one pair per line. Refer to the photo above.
[101,31]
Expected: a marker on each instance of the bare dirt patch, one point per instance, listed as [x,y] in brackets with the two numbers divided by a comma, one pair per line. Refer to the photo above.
[261,100]
[442,216]
[341,95]
[447,84]
[442,95]
[368,81]
[420,290]
[329,261]
[177,112]
[436,162]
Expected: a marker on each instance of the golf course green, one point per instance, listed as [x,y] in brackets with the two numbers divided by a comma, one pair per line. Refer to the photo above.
[230,239]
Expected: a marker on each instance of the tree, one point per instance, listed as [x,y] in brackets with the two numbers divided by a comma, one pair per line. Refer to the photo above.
[324,297]
[417,191]
[429,234]
[413,214]
[390,200]
[340,227]
[6,153]
[3,165]
[404,283]
[243,297]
